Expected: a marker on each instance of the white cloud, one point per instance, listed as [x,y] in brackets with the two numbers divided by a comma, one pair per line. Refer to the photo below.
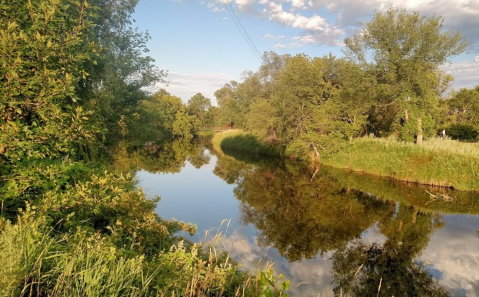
[327,22]
[459,15]
[466,73]
[277,37]
[185,85]
[298,4]
[315,29]
[456,258]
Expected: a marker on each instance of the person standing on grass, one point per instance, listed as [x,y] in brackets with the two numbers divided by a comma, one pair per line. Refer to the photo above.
[443,133]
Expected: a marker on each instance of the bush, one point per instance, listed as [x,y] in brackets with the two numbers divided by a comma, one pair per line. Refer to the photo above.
[462,132]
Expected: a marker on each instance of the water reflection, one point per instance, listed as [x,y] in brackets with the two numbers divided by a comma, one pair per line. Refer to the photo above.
[301,218]
[166,157]
[324,227]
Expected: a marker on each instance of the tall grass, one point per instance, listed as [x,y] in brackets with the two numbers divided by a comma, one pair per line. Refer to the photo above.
[37,263]
[440,162]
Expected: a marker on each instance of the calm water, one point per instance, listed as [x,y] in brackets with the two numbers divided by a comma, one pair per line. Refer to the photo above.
[323,228]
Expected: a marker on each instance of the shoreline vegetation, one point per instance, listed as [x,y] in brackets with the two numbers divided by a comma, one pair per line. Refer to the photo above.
[436,162]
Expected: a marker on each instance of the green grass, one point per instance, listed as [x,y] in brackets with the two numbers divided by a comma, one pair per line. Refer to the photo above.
[436,162]
[204,133]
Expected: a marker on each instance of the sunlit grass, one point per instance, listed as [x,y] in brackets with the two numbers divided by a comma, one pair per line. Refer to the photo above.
[441,162]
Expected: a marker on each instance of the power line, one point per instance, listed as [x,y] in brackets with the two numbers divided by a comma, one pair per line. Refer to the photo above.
[244,29]
[241,28]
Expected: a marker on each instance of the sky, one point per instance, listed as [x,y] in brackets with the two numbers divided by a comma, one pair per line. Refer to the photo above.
[206,43]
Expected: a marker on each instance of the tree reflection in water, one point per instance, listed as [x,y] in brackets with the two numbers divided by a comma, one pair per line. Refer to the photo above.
[362,269]
[302,216]
[167,157]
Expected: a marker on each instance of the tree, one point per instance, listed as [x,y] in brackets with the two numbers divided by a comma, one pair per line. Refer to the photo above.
[121,71]
[43,50]
[305,113]
[167,113]
[404,51]
[226,93]
[198,105]
[464,107]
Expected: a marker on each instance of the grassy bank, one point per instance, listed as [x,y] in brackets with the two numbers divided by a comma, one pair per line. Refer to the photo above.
[436,162]
[243,141]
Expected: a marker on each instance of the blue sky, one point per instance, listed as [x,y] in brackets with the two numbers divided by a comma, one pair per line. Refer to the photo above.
[202,47]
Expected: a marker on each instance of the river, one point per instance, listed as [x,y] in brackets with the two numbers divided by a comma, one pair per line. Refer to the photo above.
[325,229]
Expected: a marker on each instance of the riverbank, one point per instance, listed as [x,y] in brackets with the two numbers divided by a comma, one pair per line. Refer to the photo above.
[438,162]
[246,142]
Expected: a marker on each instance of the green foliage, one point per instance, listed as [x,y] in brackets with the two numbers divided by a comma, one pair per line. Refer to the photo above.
[164,116]
[410,131]
[462,132]
[35,262]
[198,105]
[241,141]
[462,108]
[301,103]
[268,283]
[404,51]
[121,73]
[42,56]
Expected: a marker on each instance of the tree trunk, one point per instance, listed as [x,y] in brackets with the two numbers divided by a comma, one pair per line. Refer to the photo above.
[317,155]
[414,215]
[419,131]
[406,115]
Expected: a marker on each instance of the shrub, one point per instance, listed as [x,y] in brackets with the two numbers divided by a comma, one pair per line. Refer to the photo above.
[462,132]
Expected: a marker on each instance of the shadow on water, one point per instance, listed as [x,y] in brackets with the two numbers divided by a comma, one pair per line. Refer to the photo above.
[251,144]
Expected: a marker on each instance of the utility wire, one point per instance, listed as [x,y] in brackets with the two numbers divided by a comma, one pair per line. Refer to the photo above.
[241,28]
[244,29]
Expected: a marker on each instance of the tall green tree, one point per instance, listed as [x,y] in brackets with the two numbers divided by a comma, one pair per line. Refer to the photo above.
[305,111]
[168,113]
[404,51]
[198,105]
[122,72]
[464,107]
[226,93]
